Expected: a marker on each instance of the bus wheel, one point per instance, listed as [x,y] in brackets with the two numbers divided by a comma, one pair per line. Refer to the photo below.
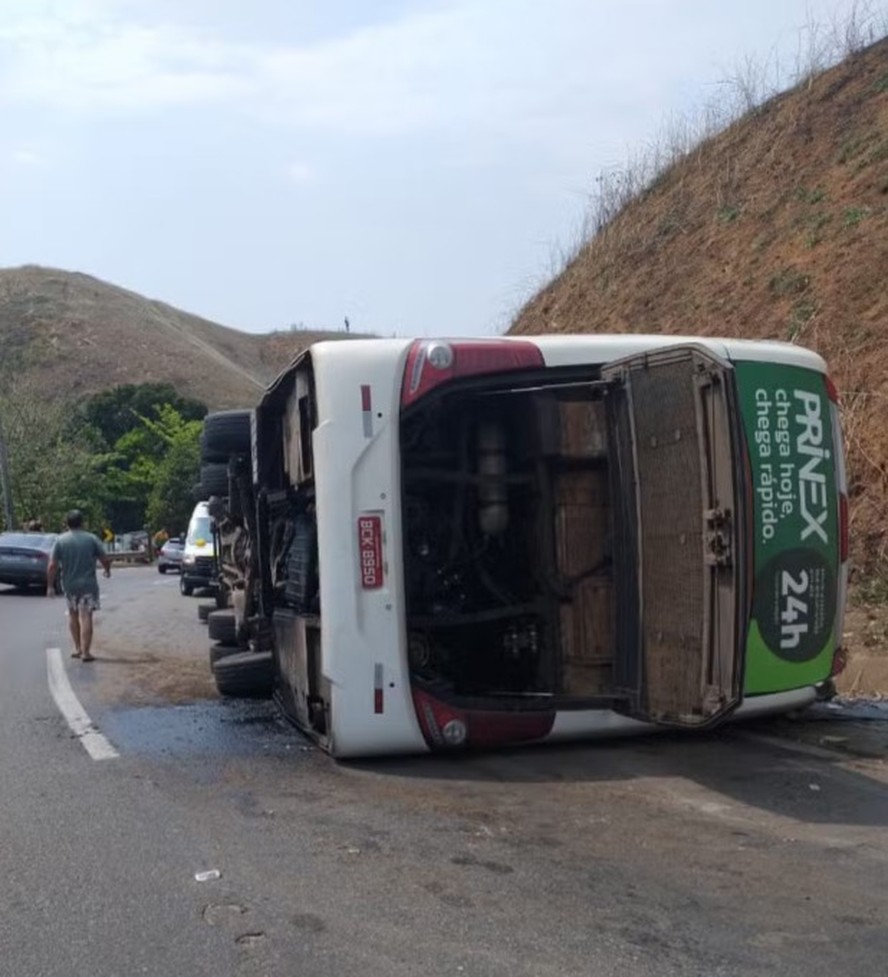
[214,479]
[222,626]
[221,650]
[225,432]
[246,675]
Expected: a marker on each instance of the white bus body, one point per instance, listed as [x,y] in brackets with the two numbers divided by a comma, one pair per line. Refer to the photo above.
[392,633]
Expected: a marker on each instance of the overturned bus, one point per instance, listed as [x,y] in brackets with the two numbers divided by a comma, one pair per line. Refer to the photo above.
[441,545]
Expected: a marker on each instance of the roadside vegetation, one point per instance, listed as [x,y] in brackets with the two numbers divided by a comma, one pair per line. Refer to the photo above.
[764,218]
[128,457]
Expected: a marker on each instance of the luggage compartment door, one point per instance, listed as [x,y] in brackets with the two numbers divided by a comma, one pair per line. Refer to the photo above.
[679,535]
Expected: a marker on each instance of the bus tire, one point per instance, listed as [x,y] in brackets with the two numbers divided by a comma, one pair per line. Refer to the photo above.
[185,589]
[245,675]
[214,479]
[222,626]
[220,650]
[226,432]
[203,611]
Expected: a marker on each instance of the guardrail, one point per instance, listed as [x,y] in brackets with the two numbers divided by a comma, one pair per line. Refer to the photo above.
[131,556]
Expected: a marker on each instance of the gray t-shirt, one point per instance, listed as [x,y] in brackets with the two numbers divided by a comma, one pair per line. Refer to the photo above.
[77,551]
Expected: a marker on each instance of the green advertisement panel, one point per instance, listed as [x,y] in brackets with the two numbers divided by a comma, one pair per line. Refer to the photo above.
[788,423]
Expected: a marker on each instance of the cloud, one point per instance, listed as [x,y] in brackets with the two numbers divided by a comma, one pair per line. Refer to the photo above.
[477,70]
[80,56]
[298,172]
[28,157]
[482,65]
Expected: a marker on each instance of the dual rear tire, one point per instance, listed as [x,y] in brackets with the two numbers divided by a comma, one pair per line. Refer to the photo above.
[238,673]
[242,674]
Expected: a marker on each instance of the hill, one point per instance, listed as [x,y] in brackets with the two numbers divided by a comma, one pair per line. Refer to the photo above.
[776,228]
[74,335]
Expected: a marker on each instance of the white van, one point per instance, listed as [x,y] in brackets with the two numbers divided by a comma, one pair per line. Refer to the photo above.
[199,566]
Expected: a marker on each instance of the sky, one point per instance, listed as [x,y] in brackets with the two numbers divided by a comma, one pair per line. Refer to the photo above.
[421,167]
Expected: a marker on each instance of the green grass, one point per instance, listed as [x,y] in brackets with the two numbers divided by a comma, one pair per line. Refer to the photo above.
[878,153]
[789,281]
[815,224]
[854,215]
[810,196]
[864,151]
[852,148]
[668,225]
[727,214]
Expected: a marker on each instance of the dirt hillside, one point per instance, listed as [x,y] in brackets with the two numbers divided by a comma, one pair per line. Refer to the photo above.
[777,228]
[74,334]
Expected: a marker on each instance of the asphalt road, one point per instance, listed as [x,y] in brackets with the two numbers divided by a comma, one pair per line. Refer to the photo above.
[734,854]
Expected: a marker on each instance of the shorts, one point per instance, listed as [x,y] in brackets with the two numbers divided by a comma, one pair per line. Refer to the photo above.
[83,602]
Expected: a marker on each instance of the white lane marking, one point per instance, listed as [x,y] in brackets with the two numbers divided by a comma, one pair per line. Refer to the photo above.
[96,745]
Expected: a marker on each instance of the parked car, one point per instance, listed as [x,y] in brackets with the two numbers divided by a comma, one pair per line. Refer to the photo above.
[169,557]
[24,558]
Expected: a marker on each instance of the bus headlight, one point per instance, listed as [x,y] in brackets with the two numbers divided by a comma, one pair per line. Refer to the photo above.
[454,732]
[440,356]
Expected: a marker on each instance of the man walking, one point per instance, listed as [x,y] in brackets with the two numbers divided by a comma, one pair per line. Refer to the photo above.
[76,552]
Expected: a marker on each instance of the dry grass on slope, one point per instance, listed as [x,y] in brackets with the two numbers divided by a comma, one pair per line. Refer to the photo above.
[777,229]
[73,335]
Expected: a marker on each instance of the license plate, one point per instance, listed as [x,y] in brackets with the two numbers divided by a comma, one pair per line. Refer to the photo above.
[370,551]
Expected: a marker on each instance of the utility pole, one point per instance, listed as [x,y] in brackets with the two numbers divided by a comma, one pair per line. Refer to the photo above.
[6,483]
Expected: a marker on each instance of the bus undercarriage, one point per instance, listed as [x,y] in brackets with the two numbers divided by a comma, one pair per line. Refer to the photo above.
[508,544]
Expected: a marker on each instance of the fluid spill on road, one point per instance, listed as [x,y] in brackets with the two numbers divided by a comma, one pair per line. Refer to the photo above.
[868,710]
[225,729]
[858,727]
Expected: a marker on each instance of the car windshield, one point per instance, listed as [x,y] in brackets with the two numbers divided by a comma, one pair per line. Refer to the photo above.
[200,528]
[173,544]
[33,541]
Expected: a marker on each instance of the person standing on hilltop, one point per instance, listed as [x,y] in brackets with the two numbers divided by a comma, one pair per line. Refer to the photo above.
[76,552]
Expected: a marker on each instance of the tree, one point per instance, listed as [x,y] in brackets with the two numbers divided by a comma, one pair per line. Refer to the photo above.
[53,463]
[139,424]
[59,461]
[170,502]
[120,410]
[128,475]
